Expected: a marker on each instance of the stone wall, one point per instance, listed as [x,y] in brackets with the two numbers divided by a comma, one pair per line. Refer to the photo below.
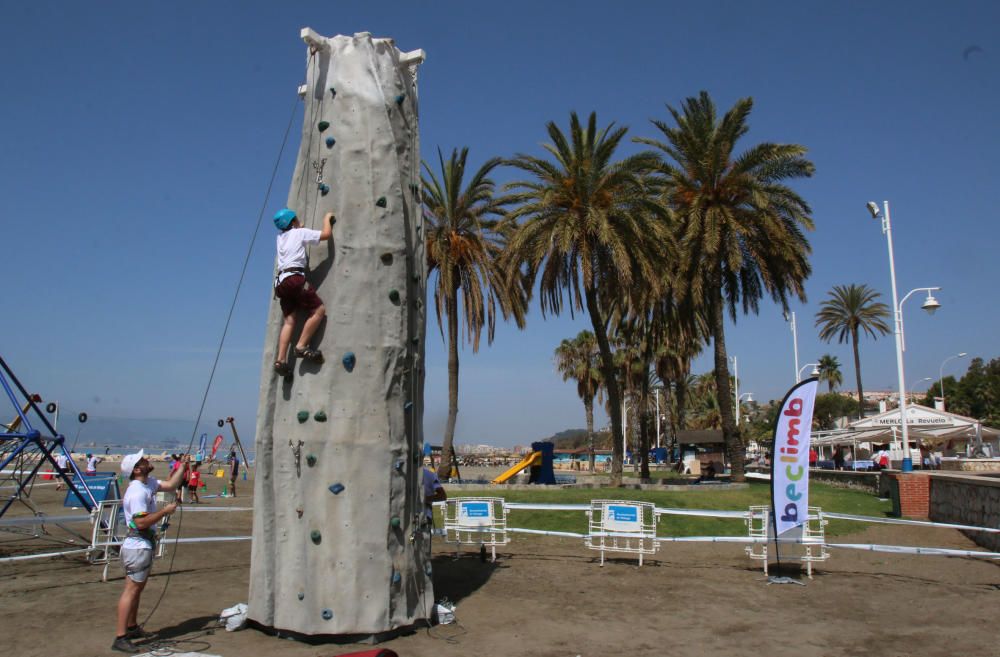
[967,500]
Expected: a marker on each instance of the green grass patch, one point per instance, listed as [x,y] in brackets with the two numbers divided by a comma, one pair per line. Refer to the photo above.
[829,498]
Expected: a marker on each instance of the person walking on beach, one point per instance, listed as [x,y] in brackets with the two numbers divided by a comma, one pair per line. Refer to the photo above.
[63,464]
[92,462]
[290,287]
[194,481]
[234,471]
[141,518]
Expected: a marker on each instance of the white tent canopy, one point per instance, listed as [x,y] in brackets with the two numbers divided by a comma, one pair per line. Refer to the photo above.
[925,425]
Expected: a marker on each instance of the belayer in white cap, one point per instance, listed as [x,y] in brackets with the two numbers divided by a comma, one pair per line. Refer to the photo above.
[141,517]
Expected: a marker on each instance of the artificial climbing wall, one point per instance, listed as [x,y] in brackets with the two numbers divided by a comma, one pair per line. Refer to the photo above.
[339,542]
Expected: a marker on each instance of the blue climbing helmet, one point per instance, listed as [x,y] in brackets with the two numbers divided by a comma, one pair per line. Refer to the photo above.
[283,219]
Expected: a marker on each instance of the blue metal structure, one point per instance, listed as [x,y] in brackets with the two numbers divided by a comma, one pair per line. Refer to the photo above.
[23,445]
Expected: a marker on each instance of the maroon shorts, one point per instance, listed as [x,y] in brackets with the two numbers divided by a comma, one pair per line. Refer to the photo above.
[295,296]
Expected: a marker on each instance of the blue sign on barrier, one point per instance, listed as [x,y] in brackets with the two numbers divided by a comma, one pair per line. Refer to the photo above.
[623,513]
[475,510]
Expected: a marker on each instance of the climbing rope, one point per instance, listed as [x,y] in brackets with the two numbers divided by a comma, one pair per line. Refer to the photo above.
[222,340]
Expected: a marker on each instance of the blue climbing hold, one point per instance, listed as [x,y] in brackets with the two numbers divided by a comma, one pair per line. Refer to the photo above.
[349,360]
[396,578]
[399,465]
[330,141]
[327,614]
[400,98]
[324,189]
[337,488]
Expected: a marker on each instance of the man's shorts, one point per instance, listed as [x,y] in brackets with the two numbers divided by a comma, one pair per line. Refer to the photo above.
[137,563]
[295,296]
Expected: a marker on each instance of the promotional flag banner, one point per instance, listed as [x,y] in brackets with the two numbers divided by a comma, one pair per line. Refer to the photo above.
[790,458]
[216,445]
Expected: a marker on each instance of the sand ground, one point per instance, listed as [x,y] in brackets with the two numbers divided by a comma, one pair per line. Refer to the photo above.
[543,596]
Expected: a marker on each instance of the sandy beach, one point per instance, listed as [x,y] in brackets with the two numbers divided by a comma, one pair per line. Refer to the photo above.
[544,596]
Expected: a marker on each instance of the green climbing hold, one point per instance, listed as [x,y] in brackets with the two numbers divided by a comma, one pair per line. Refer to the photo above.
[381,202]
[310,460]
[394,522]
[400,98]
[324,189]
[303,416]
[302,596]
[315,536]
[333,92]
[323,125]
[416,278]
[396,577]
[415,340]
[394,296]
[320,416]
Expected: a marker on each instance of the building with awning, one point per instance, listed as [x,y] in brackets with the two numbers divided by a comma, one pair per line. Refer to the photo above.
[939,431]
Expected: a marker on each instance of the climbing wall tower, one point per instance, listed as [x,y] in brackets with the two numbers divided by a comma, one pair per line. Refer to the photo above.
[340,546]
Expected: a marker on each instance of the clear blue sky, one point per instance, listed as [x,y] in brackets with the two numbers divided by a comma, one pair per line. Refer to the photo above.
[138,139]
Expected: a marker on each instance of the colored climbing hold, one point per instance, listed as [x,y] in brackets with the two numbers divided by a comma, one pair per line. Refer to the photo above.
[427,568]
[333,92]
[330,141]
[399,465]
[394,296]
[327,614]
[323,125]
[386,259]
[302,596]
[416,278]
[396,578]
[400,98]
[310,460]
[415,340]
[381,202]
[349,360]
[303,416]
[315,536]
[337,488]
[320,416]
[324,189]
[394,522]
[408,406]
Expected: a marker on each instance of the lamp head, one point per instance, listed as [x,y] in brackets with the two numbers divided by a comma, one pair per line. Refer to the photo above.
[930,304]
[815,372]
[962,354]
[873,209]
[749,397]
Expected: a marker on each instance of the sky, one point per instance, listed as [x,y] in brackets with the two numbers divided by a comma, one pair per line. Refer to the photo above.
[139,138]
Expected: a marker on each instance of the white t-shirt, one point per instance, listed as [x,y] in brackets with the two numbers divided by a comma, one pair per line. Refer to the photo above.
[431,486]
[61,461]
[139,498]
[292,249]
[92,464]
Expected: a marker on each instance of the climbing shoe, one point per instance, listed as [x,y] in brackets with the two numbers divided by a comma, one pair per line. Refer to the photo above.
[137,632]
[283,369]
[311,355]
[123,644]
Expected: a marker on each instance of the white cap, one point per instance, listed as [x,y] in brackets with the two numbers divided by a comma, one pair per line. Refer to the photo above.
[129,461]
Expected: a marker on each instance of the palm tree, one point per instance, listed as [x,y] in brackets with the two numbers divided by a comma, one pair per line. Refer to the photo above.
[829,371]
[578,359]
[850,309]
[739,222]
[463,247]
[593,230]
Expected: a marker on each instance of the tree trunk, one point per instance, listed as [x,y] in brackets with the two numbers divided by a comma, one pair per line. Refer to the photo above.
[447,446]
[857,373]
[644,431]
[730,433]
[611,381]
[588,404]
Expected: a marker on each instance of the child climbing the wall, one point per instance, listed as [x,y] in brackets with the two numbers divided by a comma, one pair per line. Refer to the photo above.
[290,287]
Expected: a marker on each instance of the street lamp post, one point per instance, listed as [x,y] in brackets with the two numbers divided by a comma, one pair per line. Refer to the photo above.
[918,382]
[739,400]
[930,305]
[814,372]
[961,354]
[795,342]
